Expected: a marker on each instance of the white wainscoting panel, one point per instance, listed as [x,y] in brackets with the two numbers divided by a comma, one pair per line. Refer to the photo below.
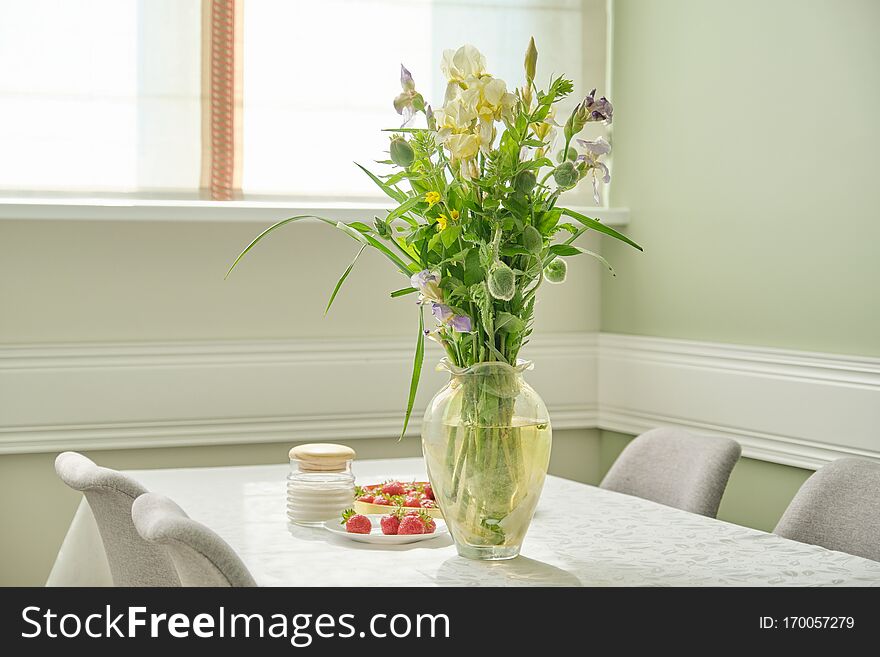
[797,408]
[106,396]
[792,407]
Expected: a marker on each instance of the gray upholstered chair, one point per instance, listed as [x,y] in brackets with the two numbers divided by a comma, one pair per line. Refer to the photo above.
[838,507]
[110,494]
[201,557]
[676,468]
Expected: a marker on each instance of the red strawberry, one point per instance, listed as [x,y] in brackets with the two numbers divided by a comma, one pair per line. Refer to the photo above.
[390,524]
[393,488]
[355,523]
[412,500]
[429,523]
[428,504]
[382,500]
[429,491]
[366,498]
[411,525]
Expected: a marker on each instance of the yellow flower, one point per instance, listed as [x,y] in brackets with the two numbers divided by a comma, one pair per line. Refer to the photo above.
[463,146]
[432,198]
[454,214]
[442,222]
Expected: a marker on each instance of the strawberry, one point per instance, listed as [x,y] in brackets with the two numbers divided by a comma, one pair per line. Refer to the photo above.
[355,523]
[429,523]
[411,525]
[366,498]
[390,524]
[412,500]
[429,491]
[428,504]
[393,488]
[382,500]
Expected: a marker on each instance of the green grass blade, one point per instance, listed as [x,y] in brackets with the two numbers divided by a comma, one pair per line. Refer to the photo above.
[279,224]
[600,227]
[416,373]
[403,292]
[376,244]
[397,195]
[404,207]
[342,279]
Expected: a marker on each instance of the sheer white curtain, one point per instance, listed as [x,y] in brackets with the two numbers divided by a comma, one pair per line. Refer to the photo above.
[104,95]
[99,95]
[320,76]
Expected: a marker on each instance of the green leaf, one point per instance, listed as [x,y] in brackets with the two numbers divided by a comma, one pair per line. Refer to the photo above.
[599,227]
[403,292]
[376,244]
[412,130]
[396,194]
[416,373]
[271,228]
[514,251]
[342,279]
[508,323]
[404,207]
[565,250]
[449,235]
[473,269]
[548,220]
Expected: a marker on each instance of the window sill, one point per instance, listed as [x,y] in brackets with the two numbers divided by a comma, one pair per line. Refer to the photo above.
[258,210]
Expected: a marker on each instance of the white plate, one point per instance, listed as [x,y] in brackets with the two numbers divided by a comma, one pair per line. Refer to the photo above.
[378,538]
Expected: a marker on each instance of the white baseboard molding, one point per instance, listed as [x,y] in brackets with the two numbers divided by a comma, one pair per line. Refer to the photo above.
[797,408]
[792,407]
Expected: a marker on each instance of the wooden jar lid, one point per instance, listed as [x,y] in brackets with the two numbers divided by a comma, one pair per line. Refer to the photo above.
[322,457]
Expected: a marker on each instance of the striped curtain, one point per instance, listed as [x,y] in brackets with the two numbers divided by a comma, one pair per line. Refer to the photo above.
[221,98]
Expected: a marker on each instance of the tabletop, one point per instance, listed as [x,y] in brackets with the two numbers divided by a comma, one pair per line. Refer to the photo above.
[581,536]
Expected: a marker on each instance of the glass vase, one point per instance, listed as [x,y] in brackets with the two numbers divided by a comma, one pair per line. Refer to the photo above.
[486,438]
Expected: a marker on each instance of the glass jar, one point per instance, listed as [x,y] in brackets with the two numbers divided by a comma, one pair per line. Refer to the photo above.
[320,485]
[486,438]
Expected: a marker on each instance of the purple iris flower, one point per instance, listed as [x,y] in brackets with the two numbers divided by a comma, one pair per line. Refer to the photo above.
[461,324]
[428,284]
[600,110]
[406,79]
[443,314]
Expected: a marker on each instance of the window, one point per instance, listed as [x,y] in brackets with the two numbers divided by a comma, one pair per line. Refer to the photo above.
[122,110]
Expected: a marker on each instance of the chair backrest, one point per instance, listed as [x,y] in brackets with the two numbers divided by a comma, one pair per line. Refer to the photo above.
[201,557]
[676,468]
[110,494]
[838,507]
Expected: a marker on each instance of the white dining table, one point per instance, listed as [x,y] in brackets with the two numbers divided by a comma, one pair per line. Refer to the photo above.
[581,536]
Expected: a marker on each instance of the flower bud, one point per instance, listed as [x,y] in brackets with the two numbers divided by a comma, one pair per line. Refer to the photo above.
[524,182]
[566,175]
[555,272]
[531,60]
[402,153]
[502,281]
[571,154]
[532,240]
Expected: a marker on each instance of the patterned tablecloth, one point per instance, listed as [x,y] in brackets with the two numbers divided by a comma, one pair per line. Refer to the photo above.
[581,536]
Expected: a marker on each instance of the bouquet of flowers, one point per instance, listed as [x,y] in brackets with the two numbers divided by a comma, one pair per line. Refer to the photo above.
[476,230]
[477,226]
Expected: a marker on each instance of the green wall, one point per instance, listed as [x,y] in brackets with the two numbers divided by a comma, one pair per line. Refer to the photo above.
[745,144]
[756,495]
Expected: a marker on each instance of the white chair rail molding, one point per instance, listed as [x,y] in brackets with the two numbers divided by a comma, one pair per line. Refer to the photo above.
[791,407]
